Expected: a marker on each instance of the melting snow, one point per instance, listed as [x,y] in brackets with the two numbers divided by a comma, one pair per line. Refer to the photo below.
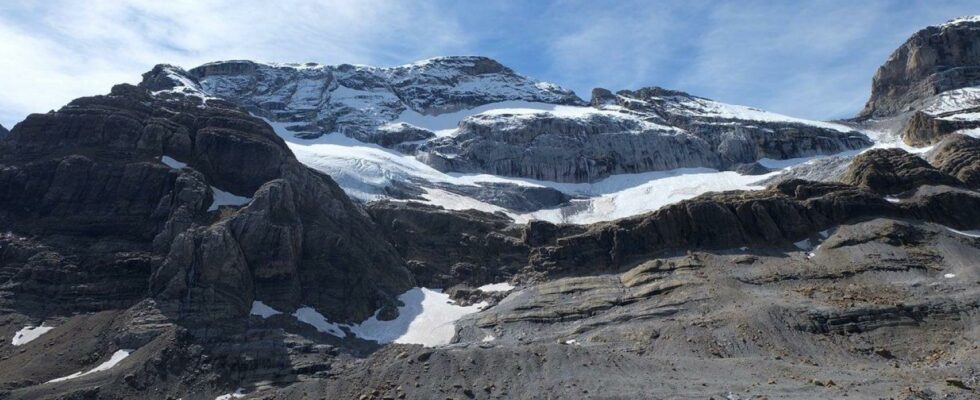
[259,308]
[118,356]
[975,233]
[223,198]
[170,162]
[427,317]
[318,321]
[239,393]
[949,276]
[497,287]
[804,244]
[29,333]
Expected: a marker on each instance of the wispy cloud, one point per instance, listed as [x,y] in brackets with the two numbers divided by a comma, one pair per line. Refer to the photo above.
[58,50]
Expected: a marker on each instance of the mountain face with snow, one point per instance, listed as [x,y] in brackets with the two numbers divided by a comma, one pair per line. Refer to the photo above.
[365,103]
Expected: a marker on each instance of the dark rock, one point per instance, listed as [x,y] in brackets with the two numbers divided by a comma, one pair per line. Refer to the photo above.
[751,169]
[444,248]
[889,171]
[3,132]
[87,182]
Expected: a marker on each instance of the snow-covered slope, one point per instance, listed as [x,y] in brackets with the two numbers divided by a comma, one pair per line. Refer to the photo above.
[469,133]
[356,100]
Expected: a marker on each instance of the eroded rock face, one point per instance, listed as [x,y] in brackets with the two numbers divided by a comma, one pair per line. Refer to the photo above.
[959,156]
[444,248]
[889,171]
[934,60]
[555,148]
[104,210]
[649,129]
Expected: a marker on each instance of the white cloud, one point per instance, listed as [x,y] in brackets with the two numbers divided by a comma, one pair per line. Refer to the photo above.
[56,51]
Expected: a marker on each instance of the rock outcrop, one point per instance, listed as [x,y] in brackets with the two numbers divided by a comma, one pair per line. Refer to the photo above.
[116,197]
[934,60]
[890,171]
[3,132]
[959,156]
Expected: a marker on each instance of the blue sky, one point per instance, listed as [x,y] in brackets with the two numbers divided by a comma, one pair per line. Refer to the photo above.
[809,59]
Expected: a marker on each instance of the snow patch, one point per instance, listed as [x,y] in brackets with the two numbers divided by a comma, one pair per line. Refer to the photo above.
[116,357]
[260,309]
[223,198]
[170,162]
[312,317]
[28,334]
[497,287]
[948,276]
[427,317]
[237,394]
[975,233]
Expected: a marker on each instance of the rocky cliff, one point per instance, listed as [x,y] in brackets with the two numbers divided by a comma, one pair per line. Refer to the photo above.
[934,60]
[651,129]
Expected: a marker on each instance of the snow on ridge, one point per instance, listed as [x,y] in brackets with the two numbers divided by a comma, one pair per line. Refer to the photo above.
[116,357]
[497,287]
[953,100]
[29,333]
[715,109]
[960,20]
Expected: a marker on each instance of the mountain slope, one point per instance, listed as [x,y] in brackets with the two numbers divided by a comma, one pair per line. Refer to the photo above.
[468,132]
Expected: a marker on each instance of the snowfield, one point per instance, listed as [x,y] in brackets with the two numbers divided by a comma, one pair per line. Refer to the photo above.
[427,317]
[116,357]
[29,333]
[366,170]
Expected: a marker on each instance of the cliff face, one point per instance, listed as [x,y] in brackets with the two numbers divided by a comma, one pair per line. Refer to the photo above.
[199,206]
[934,60]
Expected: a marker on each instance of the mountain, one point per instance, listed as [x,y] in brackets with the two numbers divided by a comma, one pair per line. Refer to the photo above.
[469,133]
[456,230]
[359,101]
[934,80]
[3,132]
